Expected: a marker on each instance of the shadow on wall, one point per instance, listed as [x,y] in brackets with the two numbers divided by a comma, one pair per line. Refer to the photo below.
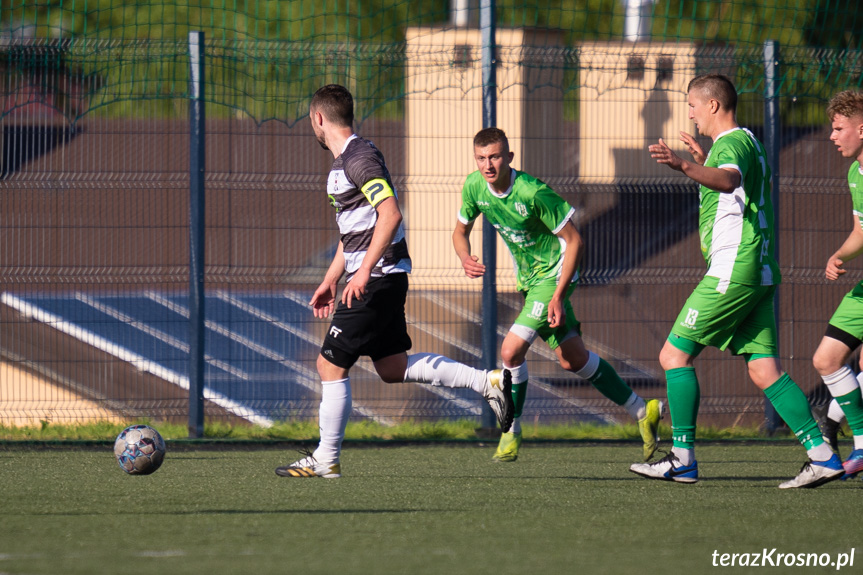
[646,220]
[24,144]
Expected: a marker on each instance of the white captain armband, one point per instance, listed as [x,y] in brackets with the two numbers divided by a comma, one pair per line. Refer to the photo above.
[377,190]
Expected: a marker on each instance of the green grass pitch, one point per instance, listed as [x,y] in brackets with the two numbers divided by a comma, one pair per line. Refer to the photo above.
[561,508]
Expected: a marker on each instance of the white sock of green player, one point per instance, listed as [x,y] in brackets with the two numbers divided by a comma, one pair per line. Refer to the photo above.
[684,455]
[845,389]
[333,417]
[636,406]
[519,393]
[438,370]
[834,411]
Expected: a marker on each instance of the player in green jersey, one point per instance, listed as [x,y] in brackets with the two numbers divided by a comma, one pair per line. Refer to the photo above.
[732,306]
[535,222]
[845,330]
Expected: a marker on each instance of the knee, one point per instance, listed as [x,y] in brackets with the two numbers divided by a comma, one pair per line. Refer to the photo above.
[328,371]
[672,359]
[574,363]
[511,355]
[323,366]
[759,378]
[765,372]
[824,364]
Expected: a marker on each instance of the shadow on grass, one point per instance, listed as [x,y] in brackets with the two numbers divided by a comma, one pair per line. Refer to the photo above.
[239,512]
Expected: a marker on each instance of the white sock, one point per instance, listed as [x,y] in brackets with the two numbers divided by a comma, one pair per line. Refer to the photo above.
[590,367]
[438,370]
[858,442]
[820,453]
[686,456]
[841,382]
[516,425]
[636,406]
[519,373]
[333,418]
[834,411]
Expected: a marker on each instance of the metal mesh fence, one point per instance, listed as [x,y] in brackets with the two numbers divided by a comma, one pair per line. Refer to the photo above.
[94,191]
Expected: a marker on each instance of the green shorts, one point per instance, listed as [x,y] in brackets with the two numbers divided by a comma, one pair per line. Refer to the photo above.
[533,319]
[741,319]
[849,315]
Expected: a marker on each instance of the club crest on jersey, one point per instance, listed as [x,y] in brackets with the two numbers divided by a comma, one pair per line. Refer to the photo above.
[521,209]
[333,184]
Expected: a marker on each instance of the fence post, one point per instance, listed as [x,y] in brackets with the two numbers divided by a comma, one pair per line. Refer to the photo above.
[196,234]
[772,143]
[489,236]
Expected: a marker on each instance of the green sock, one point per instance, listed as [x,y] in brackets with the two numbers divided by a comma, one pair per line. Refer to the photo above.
[852,405]
[609,384]
[684,397]
[519,394]
[793,407]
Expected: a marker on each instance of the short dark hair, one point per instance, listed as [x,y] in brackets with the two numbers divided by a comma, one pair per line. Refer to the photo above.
[848,103]
[716,87]
[335,103]
[489,136]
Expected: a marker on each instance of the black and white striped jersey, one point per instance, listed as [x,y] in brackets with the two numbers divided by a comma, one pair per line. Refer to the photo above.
[358,181]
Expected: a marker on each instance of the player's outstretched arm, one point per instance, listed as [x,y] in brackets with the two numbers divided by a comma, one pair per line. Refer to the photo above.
[718,179]
[461,242]
[850,249]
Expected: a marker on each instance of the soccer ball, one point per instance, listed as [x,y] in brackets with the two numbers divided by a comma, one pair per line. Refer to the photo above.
[139,449]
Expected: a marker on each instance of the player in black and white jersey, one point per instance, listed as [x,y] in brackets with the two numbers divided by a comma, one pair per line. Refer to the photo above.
[369,318]
[358,183]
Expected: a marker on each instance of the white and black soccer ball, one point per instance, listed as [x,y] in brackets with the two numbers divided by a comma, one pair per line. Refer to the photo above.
[139,450]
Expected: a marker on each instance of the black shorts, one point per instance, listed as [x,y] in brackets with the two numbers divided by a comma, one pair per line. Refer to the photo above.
[374,326]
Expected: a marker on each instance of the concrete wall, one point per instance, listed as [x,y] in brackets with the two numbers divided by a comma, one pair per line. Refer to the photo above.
[444,112]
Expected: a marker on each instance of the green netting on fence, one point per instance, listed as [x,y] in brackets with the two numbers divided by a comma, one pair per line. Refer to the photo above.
[817,23]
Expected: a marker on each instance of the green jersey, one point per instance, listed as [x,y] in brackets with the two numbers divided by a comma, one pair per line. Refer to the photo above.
[736,228]
[855,184]
[849,315]
[527,216]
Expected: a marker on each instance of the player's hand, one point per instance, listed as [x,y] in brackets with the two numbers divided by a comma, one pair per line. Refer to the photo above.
[834,268]
[356,288]
[324,300]
[663,155]
[693,147]
[472,267]
[556,315]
